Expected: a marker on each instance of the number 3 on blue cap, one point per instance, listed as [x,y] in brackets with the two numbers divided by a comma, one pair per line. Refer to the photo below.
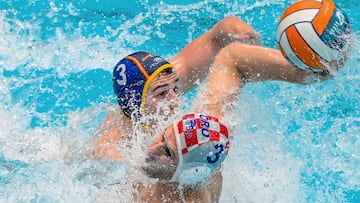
[121,68]
[215,158]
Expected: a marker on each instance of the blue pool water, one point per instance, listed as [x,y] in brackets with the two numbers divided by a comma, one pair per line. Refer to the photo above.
[294,143]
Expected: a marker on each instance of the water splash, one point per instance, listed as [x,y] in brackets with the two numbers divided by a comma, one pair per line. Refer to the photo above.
[56,59]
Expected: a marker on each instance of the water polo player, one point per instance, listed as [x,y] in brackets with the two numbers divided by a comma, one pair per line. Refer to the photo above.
[186,156]
[226,66]
[140,90]
[189,150]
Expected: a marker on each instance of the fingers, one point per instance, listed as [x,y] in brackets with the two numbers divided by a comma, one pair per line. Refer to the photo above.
[317,76]
[324,73]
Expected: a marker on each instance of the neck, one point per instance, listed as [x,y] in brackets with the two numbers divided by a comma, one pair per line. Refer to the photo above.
[172,192]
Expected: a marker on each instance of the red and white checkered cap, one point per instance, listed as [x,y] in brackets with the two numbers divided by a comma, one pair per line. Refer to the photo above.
[203,144]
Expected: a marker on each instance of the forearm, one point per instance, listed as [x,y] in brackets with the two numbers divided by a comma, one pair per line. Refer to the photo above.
[263,64]
[257,63]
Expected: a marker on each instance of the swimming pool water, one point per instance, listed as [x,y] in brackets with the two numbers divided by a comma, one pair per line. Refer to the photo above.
[294,143]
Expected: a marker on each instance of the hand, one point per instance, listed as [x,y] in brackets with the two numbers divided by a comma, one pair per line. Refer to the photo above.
[312,76]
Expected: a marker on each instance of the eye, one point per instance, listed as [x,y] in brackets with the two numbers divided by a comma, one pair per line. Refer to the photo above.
[162,94]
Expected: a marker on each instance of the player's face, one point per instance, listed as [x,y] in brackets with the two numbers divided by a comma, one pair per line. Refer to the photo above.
[162,98]
[162,157]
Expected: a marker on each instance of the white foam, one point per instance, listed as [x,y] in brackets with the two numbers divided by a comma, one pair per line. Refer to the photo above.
[261,166]
[257,171]
[66,55]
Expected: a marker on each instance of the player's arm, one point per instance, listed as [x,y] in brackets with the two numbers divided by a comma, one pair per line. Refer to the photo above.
[237,64]
[193,62]
[257,63]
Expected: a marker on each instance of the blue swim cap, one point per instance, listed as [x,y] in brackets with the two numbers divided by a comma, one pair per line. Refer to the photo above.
[132,76]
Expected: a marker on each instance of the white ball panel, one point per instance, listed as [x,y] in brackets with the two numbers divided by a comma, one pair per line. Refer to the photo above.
[306,15]
[308,33]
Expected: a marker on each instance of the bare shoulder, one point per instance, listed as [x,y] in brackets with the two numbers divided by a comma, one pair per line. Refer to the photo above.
[109,137]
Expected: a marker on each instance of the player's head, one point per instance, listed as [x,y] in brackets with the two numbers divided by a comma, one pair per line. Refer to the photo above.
[189,151]
[141,80]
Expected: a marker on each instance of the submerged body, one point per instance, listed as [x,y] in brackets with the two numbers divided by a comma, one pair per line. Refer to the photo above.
[209,191]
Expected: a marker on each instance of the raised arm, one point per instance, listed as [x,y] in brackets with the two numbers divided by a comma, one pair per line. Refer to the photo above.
[193,62]
[239,63]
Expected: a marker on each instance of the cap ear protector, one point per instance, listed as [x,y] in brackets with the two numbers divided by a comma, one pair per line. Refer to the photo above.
[202,143]
[132,76]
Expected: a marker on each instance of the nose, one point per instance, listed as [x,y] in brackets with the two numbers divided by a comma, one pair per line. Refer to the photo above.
[173,98]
